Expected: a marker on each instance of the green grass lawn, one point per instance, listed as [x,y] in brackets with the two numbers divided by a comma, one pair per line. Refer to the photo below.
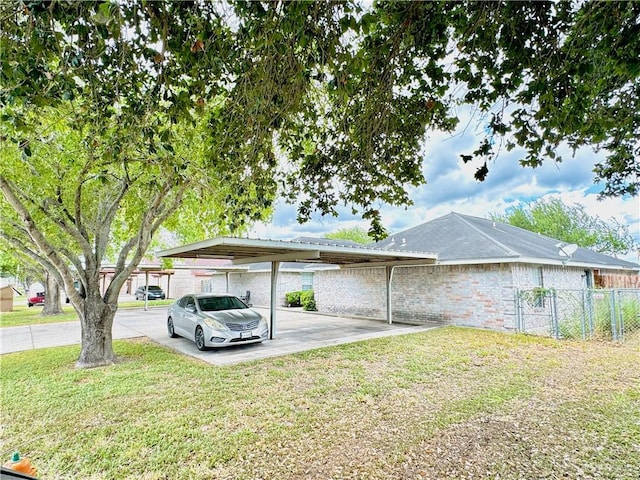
[23,315]
[451,403]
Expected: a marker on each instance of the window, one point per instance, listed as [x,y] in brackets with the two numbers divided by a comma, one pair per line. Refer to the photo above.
[215,304]
[539,277]
[191,304]
[183,301]
[206,286]
[307,281]
[539,290]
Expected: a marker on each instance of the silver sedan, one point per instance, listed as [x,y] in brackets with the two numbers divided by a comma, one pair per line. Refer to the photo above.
[215,320]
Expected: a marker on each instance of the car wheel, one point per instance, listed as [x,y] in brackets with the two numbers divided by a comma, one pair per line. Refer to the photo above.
[170,329]
[200,339]
[30,305]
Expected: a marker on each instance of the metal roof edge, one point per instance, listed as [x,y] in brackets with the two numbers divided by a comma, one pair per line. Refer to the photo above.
[185,248]
[237,241]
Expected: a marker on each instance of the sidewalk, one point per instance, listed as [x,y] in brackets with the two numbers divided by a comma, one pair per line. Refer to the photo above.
[295,331]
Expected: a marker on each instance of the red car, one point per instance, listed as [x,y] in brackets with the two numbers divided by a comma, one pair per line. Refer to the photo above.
[37,299]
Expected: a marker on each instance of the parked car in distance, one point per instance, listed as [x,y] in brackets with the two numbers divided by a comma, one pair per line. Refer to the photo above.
[154,293]
[215,320]
[37,299]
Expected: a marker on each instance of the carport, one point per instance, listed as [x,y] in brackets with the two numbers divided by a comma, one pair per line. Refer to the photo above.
[243,251]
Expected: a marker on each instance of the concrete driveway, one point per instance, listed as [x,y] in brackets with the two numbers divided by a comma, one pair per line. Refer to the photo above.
[296,331]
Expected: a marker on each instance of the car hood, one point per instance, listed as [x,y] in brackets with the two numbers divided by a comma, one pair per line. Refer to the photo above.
[234,316]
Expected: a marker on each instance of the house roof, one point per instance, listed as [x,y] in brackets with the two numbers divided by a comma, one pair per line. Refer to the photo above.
[460,238]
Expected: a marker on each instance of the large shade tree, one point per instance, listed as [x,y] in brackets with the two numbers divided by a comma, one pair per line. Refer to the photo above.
[133,115]
[355,234]
[572,224]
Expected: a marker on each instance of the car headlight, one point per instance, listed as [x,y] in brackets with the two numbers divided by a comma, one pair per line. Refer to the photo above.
[216,325]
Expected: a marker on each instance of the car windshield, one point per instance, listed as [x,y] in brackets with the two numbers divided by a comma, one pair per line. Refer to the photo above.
[154,289]
[214,304]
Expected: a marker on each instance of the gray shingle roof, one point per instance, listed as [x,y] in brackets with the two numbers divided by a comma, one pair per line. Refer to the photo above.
[462,238]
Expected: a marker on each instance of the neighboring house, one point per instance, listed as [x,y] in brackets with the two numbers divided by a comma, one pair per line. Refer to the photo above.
[481,265]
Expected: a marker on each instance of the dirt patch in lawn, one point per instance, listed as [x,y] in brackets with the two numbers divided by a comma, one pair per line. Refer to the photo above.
[579,423]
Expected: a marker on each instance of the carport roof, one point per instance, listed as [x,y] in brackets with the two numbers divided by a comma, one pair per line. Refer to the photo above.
[250,250]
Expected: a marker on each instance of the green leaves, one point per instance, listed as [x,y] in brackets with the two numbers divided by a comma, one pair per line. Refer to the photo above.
[322,102]
[572,67]
[355,234]
[571,224]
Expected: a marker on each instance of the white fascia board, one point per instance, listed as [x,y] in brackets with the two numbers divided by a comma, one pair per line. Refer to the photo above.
[321,267]
[535,261]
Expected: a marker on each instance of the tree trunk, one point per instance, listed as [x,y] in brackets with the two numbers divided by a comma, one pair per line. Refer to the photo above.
[52,305]
[96,321]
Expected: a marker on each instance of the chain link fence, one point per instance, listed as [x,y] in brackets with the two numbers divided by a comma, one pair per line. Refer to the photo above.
[598,314]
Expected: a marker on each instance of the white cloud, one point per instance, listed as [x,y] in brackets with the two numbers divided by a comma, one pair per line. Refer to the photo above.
[451,187]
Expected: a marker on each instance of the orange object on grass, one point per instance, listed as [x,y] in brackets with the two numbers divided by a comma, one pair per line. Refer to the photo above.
[20,464]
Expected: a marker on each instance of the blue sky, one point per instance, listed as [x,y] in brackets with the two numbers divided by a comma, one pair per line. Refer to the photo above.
[451,187]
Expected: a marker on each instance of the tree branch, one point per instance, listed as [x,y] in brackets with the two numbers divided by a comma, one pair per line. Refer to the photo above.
[38,238]
[152,220]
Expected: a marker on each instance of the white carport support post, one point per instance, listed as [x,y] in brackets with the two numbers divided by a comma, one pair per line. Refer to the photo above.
[389,277]
[274,297]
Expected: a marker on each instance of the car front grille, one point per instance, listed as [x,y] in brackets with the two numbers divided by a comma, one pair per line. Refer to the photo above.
[240,327]
[236,340]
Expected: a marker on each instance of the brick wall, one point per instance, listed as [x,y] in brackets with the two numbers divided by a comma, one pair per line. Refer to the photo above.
[259,284]
[476,295]
[218,283]
[470,295]
[351,291]
[525,276]
[184,282]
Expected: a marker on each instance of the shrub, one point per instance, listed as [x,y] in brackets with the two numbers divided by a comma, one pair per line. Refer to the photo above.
[308,301]
[292,299]
[599,317]
[630,310]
